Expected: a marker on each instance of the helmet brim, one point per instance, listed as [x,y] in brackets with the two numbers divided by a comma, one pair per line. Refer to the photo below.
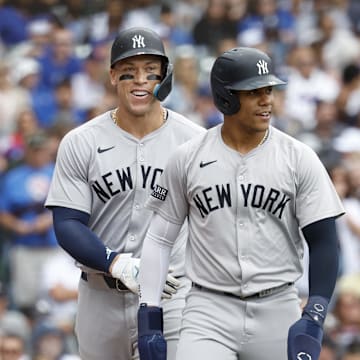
[137,52]
[256,83]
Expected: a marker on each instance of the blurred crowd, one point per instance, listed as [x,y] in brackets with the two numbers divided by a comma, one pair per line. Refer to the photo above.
[54,62]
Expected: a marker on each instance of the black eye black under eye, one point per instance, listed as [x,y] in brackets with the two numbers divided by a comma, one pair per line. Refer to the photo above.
[126,77]
[130,77]
[154,77]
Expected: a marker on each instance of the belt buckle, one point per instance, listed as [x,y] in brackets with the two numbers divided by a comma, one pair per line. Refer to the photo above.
[265,292]
[119,285]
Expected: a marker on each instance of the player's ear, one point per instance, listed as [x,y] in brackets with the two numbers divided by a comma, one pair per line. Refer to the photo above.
[113,77]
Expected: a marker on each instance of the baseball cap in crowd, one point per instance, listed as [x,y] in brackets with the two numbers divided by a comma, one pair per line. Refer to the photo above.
[25,67]
[348,141]
[39,27]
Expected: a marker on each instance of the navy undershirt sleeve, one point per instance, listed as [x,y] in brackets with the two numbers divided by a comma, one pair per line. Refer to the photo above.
[321,237]
[76,238]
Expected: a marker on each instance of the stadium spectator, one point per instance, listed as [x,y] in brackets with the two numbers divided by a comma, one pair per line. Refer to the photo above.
[326,129]
[348,99]
[22,194]
[90,81]
[329,350]
[13,347]
[58,296]
[13,22]
[215,17]
[186,83]
[26,125]
[60,61]
[307,84]
[352,351]
[267,21]
[12,99]
[346,311]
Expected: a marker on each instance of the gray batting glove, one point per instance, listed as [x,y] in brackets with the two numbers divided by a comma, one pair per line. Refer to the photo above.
[126,269]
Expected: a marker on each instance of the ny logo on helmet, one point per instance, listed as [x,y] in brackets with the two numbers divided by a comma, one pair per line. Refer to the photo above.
[138,41]
[262,67]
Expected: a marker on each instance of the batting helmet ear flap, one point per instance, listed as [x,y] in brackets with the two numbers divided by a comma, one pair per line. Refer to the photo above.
[162,90]
[226,100]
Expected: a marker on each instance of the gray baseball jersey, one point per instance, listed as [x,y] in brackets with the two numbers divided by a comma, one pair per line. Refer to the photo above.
[107,173]
[245,211]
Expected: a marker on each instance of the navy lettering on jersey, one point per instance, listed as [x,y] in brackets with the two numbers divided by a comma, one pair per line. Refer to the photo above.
[255,196]
[212,198]
[100,192]
[281,206]
[271,199]
[258,196]
[112,183]
[145,172]
[121,180]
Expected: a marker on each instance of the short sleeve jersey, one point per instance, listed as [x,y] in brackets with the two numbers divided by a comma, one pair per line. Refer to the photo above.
[245,212]
[108,173]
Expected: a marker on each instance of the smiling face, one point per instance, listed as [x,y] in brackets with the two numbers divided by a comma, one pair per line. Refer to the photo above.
[255,110]
[135,79]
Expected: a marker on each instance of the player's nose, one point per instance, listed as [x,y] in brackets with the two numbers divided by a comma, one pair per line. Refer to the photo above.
[266,98]
[140,76]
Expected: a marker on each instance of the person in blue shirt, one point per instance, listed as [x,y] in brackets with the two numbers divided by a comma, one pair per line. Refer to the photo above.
[28,223]
[59,61]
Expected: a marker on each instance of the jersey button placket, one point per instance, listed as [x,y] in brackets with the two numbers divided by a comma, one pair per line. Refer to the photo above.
[241,219]
[141,154]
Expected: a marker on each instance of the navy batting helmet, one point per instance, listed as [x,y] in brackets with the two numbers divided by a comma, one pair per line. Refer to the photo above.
[240,69]
[139,41]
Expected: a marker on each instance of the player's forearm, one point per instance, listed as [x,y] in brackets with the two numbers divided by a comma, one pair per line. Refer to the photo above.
[306,333]
[322,239]
[75,237]
[155,259]
[154,265]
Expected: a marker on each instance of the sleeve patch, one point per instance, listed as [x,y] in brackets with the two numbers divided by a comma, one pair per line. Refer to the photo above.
[159,193]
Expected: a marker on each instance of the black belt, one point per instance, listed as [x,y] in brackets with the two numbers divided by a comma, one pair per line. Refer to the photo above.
[260,294]
[111,282]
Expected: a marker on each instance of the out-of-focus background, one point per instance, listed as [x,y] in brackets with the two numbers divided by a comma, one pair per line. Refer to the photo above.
[54,64]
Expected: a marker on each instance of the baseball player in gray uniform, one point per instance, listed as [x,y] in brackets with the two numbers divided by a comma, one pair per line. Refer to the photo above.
[251,194]
[105,170]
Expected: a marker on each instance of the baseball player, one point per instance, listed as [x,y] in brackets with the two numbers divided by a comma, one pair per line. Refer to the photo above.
[105,170]
[249,192]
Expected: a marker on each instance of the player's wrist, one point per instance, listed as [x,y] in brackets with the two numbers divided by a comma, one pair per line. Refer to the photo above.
[151,341]
[111,257]
[150,319]
[316,309]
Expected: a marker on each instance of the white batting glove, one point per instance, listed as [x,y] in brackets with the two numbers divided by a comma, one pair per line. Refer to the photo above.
[126,269]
